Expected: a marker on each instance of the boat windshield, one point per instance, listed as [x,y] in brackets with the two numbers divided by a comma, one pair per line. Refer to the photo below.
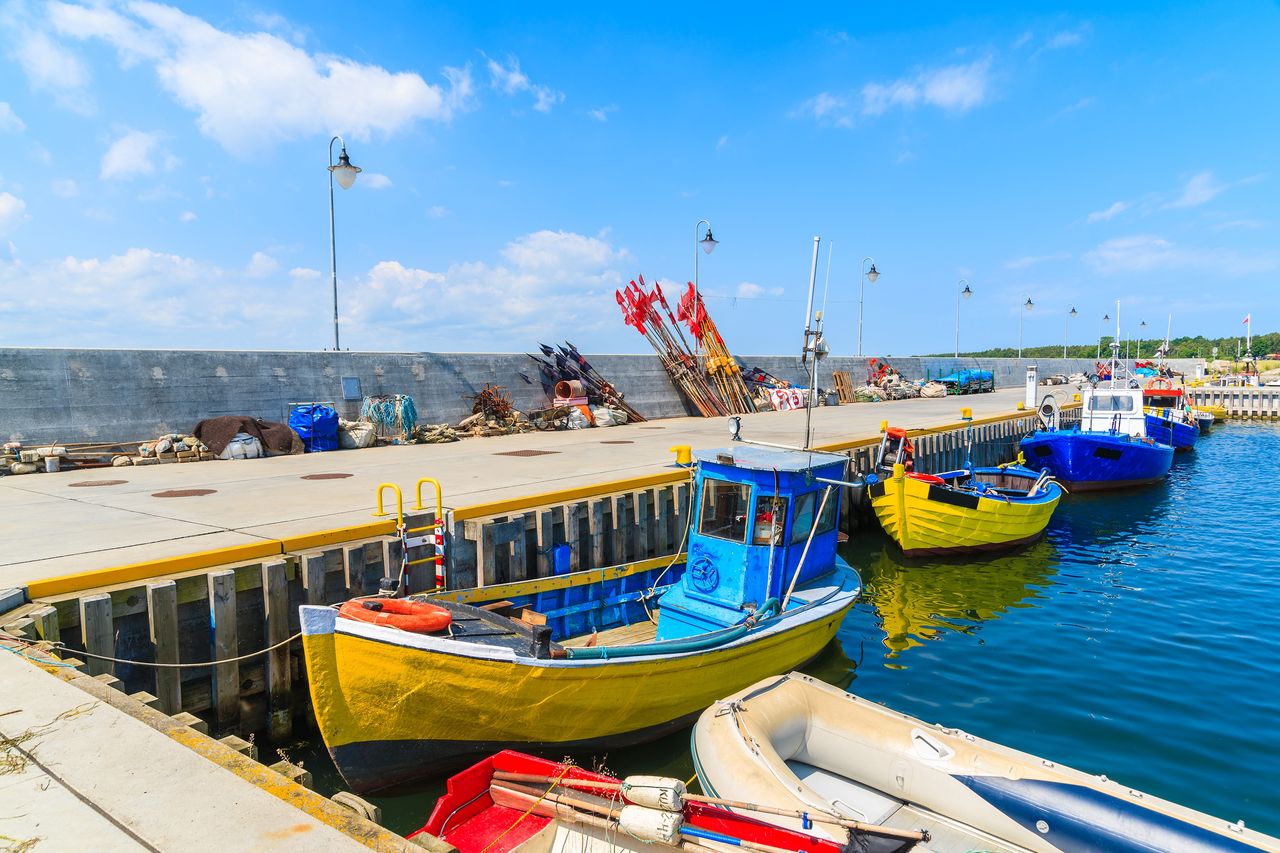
[1110,403]
[724,510]
[806,506]
[771,518]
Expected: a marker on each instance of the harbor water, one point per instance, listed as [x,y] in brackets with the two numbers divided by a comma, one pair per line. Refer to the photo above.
[1137,639]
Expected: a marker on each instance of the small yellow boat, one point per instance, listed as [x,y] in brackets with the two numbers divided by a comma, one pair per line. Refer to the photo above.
[972,509]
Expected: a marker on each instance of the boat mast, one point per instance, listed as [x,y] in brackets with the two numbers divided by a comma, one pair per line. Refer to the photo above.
[811,333]
[1115,348]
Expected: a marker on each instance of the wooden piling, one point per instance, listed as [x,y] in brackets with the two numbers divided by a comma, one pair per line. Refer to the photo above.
[46,624]
[162,618]
[97,632]
[275,598]
[314,565]
[353,569]
[595,521]
[225,645]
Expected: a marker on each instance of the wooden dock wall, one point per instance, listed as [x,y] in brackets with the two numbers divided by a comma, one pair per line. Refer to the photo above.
[1245,403]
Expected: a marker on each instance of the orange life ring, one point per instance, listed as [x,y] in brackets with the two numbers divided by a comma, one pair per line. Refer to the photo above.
[407,614]
[927,478]
[1159,384]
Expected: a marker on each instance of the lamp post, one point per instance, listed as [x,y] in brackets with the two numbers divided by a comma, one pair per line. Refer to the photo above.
[708,244]
[966,293]
[1027,305]
[1106,318]
[346,175]
[1141,325]
[1066,331]
[866,275]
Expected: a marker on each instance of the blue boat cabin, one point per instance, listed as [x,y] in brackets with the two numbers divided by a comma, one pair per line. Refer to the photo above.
[755,508]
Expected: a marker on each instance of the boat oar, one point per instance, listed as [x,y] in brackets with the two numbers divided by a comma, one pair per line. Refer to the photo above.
[816,817]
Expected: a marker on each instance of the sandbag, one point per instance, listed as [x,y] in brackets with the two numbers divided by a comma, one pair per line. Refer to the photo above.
[243,446]
[578,419]
[606,417]
[356,436]
[933,389]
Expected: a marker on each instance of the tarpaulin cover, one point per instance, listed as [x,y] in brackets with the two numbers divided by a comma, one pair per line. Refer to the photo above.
[316,425]
[216,433]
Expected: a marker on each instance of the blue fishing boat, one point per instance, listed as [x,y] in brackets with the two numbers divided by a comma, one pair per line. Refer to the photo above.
[1168,426]
[1110,449]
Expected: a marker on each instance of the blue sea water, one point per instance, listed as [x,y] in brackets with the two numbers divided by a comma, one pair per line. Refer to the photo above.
[1137,639]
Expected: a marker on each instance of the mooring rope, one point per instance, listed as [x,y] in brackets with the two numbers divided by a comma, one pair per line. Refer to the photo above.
[48,646]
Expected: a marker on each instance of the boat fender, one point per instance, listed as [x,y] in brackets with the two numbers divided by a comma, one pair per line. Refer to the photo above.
[655,792]
[651,825]
[926,478]
[407,614]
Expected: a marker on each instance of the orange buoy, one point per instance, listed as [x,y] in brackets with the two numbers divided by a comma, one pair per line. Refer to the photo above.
[407,614]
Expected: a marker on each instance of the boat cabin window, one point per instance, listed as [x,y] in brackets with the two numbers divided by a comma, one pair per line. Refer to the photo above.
[771,518]
[724,510]
[806,506]
[1110,403]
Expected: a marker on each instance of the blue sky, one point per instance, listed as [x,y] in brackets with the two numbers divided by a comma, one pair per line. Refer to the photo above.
[164,183]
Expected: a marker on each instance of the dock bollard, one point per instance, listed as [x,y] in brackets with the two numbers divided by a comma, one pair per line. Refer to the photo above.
[684,455]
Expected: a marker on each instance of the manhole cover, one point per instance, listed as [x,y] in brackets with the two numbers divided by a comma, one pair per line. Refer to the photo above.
[619,441]
[652,427]
[184,493]
[326,476]
[84,484]
[527,453]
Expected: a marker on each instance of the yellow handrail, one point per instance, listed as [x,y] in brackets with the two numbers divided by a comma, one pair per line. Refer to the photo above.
[417,489]
[382,513]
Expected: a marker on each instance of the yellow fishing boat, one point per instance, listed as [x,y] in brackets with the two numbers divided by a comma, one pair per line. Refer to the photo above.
[593,659]
[971,509]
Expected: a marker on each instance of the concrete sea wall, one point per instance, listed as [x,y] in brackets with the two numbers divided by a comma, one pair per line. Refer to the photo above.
[86,395]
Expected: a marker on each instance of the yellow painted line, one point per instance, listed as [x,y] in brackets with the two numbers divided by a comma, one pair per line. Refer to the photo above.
[511,505]
[152,568]
[311,541]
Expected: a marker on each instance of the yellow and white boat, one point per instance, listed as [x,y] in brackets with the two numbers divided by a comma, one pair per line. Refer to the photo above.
[576,662]
[972,509]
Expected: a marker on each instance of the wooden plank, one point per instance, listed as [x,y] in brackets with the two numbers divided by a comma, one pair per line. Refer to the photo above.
[162,618]
[683,514]
[644,525]
[98,632]
[663,512]
[275,599]
[546,540]
[224,646]
[595,522]
[46,623]
[313,571]
[573,514]
[519,568]
[620,528]
[353,565]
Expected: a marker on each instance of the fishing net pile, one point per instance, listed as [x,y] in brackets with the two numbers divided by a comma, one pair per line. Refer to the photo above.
[706,374]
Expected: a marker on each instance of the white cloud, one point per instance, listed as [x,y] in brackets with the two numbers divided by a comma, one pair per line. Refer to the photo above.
[751,290]
[9,121]
[1031,260]
[1238,225]
[304,274]
[254,89]
[1110,213]
[373,181]
[261,265]
[1065,38]
[129,156]
[1147,252]
[955,88]
[1024,38]
[13,210]
[827,109]
[601,114]
[722,142]
[437,211]
[1198,190]
[64,188]
[510,80]
[187,216]
[52,68]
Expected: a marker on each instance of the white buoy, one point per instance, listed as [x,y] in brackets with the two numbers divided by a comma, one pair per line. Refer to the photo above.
[655,792]
[651,824]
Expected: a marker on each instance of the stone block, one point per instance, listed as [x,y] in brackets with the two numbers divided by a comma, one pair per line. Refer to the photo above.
[191,721]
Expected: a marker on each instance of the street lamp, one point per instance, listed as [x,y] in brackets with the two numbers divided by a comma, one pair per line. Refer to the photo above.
[966,293]
[1066,331]
[1141,325]
[1027,305]
[1106,318]
[346,175]
[867,275]
[708,244]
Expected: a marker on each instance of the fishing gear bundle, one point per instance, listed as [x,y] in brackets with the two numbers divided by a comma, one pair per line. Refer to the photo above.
[720,365]
[390,413]
[566,364]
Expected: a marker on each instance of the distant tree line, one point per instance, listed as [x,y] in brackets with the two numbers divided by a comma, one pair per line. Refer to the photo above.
[1185,347]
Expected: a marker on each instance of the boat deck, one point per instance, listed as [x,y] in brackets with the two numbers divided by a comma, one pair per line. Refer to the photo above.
[945,835]
[623,635]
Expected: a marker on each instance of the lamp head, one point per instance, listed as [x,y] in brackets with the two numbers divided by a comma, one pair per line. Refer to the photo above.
[1106,317]
[873,273]
[735,428]
[708,243]
[1073,312]
[820,348]
[966,293]
[344,171]
[1027,304]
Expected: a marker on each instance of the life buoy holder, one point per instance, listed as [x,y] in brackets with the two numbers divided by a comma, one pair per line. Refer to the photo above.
[932,479]
[1158,384]
[407,614]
